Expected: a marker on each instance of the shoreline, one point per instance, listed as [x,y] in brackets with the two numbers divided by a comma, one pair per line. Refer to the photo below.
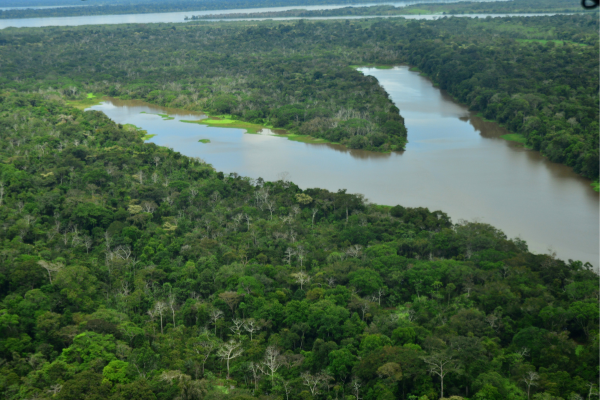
[220,121]
[225,121]
[510,137]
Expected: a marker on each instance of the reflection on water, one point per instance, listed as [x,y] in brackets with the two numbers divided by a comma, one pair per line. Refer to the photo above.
[271,132]
[147,108]
[354,153]
[487,129]
[454,161]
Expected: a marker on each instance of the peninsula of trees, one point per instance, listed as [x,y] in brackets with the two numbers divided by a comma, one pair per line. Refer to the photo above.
[538,76]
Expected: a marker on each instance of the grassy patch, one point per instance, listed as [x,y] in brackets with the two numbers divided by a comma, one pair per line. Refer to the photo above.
[165,117]
[596,186]
[515,137]
[305,138]
[227,123]
[204,140]
[90,100]
[143,133]
[480,115]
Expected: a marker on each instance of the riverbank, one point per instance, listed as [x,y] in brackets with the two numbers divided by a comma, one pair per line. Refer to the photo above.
[433,82]
[90,101]
[142,132]
[446,154]
[518,138]
[229,121]
[218,121]
[96,99]
[370,65]
[511,136]
[226,121]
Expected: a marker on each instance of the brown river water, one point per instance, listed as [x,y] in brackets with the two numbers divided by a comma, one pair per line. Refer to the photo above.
[454,162]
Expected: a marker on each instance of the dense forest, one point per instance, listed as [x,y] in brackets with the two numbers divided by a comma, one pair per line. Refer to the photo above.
[538,75]
[129,271]
[466,7]
[538,88]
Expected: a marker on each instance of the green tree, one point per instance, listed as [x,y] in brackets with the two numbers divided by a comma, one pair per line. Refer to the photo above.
[78,285]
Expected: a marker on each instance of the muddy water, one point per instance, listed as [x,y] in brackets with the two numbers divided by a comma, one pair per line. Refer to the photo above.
[454,162]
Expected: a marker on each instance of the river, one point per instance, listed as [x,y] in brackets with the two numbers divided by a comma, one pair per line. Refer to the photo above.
[454,162]
[174,17]
[40,7]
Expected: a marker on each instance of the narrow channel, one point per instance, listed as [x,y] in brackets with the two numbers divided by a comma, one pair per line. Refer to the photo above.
[454,162]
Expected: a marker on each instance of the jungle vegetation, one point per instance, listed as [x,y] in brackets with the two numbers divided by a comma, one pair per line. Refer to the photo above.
[536,75]
[465,7]
[70,8]
[129,271]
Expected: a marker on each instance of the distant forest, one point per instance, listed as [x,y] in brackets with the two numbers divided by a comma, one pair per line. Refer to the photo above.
[93,7]
[423,7]
[466,7]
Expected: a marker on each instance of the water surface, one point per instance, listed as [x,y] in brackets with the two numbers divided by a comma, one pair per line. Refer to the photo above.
[173,17]
[40,7]
[454,162]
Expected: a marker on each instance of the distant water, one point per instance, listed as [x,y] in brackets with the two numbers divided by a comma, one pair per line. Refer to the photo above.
[424,17]
[39,7]
[174,17]
[454,162]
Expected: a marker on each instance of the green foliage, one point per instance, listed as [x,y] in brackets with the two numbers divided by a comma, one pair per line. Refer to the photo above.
[86,385]
[366,281]
[467,7]
[341,362]
[556,114]
[403,335]
[339,105]
[373,342]
[481,62]
[89,347]
[98,303]
[488,392]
